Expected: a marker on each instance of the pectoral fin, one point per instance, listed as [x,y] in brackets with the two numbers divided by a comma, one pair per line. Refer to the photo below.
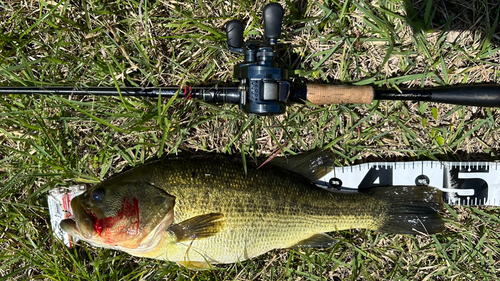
[320,240]
[202,226]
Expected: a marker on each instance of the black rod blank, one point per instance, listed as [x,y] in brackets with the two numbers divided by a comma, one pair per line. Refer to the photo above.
[215,94]
[476,95]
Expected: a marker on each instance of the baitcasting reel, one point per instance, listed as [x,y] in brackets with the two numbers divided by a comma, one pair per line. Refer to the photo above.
[263,87]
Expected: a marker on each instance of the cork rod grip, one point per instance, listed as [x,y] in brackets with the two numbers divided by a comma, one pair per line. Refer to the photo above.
[337,94]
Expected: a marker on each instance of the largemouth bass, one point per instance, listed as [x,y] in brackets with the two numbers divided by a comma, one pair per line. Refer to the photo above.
[202,211]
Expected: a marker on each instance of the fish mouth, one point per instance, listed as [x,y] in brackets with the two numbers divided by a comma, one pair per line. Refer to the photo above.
[82,224]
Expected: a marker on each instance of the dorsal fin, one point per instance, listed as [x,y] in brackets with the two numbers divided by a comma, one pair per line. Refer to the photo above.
[313,165]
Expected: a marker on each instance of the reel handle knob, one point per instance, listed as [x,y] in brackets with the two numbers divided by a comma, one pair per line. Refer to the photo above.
[273,18]
[234,33]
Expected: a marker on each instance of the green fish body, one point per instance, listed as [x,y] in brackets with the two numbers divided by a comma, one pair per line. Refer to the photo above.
[202,210]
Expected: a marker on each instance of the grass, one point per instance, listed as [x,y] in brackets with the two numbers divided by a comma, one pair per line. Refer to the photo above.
[49,141]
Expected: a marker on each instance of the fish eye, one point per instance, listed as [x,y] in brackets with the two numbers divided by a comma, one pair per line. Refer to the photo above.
[98,195]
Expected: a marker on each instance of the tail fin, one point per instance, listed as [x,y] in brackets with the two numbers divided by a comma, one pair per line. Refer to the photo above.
[412,209]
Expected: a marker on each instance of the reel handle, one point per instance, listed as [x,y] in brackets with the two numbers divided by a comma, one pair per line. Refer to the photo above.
[273,18]
[234,32]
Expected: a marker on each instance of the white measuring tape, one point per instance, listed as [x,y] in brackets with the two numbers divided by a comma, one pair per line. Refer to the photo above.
[462,183]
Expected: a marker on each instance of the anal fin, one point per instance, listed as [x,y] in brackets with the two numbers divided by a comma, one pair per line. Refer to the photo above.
[320,240]
[202,226]
[195,265]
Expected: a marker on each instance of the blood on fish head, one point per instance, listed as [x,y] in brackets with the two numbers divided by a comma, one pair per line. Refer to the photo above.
[119,213]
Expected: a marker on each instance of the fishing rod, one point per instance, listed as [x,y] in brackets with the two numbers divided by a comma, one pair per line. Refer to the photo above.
[263,88]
